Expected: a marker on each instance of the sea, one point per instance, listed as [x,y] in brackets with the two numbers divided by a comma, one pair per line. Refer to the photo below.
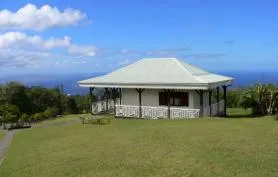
[69,81]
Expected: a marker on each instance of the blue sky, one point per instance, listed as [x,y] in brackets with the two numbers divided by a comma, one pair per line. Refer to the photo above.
[100,36]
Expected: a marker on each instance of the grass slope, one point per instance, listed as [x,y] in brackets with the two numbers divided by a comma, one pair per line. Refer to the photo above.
[2,133]
[129,148]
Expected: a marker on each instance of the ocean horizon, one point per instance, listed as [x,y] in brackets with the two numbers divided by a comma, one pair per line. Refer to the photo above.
[69,81]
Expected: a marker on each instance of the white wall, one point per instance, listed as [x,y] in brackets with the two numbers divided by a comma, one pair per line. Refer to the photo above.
[206,99]
[196,100]
[150,97]
[130,97]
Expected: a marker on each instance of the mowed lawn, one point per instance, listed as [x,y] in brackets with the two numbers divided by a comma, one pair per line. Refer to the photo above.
[2,133]
[234,147]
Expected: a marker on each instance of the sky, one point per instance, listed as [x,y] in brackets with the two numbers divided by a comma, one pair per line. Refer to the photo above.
[87,36]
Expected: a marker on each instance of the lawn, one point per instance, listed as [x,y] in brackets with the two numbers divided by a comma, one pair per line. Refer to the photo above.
[2,133]
[197,148]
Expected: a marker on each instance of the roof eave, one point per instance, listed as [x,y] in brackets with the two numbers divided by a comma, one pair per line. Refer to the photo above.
[147,86]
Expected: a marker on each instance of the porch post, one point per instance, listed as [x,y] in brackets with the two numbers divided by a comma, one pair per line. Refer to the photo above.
[217,99]
[210,110]
[91,99]
[140,101]
[106,96]
[202,103]
[114,99]
[120,95]
[168,100]
[225,99]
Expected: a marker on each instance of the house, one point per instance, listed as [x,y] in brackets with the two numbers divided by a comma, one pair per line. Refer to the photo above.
[162,88]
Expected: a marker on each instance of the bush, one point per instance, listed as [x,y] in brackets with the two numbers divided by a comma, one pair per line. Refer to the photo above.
[24,118]
[99,121]
[50,112]
[83,119]
[38,116]
[102,121]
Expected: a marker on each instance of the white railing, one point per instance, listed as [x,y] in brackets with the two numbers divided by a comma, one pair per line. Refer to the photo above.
[214,109]
[100,106]
[180,112]
[127,111]
[221,106]
[206,111]
[160,112]
[149,112]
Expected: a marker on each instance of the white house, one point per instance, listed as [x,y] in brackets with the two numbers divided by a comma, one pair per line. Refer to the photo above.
[162,88]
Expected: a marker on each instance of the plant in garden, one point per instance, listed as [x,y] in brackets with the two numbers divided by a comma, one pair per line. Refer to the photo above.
[263,99]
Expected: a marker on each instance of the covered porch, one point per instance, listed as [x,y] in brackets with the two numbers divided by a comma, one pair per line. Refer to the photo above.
[113,104]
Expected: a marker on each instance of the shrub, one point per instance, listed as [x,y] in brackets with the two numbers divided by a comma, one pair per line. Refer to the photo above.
[263,99]
[93,121]
[99,121]
[38,116]
[103,121]
[24,118]
[82,118]
[50,112]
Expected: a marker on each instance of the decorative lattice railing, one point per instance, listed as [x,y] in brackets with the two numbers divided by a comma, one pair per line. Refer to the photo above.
[100,106]
[214,109]
[160,112]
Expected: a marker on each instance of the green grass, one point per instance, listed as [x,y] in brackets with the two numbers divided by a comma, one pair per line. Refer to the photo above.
[58,120]
[2,133]
[239,112]
[130,148]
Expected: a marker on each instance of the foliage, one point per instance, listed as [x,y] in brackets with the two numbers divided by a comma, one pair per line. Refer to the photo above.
[83,119]
[37,117]
[24,118]
[233,98]
[83,102]
[263,99]
[41,98]
[9,114]
[38,103]
[50,112]
[99,120]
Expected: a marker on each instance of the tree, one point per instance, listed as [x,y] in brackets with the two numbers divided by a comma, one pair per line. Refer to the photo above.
[14,93]
[42,98]
[263,99]
[9,114]
[83,102]
[71,106]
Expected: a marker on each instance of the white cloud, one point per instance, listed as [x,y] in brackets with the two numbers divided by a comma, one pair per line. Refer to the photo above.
[20,58]
[32,17]
[57,43]
[21,40]
[84,50]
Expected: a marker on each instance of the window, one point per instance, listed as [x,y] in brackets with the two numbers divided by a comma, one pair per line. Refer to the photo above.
[176,98]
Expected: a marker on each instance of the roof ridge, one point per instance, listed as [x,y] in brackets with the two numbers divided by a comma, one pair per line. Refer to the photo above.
[180,65]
